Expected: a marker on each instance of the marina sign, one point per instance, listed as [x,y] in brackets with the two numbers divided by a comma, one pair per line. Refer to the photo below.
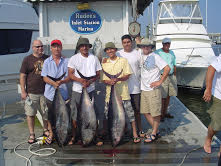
[85,21]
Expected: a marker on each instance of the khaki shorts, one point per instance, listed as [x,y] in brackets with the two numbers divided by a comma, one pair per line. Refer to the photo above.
[215,113]
[169,86]
[151,102]
[37,103]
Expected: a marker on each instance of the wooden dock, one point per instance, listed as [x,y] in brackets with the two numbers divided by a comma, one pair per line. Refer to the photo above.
[179,136]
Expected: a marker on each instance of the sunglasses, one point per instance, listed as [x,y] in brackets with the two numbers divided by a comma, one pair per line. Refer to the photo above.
[38,46]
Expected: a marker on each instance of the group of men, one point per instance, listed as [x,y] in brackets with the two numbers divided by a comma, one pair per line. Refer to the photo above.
[146,82]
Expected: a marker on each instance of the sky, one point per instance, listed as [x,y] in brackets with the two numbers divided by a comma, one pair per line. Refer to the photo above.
[213,21]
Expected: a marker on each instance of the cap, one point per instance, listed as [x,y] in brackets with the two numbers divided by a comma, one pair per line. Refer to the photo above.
[109,45]
[56,41]
[166,40]
[146,42]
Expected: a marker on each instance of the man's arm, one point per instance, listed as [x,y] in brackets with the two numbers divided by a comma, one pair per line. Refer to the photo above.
[51,82]
[23,85]
[166,71]
[209,80]
[174,71]
[71,75]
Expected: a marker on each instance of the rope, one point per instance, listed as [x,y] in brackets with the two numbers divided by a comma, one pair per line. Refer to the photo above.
[28,161]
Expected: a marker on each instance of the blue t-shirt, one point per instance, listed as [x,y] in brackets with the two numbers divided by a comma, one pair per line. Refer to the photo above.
[51,69]
[169,58]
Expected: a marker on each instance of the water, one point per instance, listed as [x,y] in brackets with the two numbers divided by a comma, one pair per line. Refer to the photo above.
[193,100]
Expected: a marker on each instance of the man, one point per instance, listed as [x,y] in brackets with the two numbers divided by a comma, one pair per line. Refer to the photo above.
[32,88]
[54,67]
[169,86]
[133,57]
[212,95]
[151,65]
[114,65]
[88,65]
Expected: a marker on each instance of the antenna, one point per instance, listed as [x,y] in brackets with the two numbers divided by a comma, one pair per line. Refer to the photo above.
[206,14]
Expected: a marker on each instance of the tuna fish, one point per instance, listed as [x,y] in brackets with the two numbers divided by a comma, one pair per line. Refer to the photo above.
[116,114]
[62,121]
[88,119]
[97,49]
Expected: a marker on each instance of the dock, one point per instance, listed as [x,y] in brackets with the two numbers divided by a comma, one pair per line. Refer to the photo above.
[179,136]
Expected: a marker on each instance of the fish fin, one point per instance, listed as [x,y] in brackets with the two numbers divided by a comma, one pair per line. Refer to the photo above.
[84,77]
[112,76]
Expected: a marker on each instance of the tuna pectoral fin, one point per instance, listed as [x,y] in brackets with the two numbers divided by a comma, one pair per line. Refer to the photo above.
[112,76]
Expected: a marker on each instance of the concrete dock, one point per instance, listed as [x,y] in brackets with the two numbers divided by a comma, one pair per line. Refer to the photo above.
[179,136]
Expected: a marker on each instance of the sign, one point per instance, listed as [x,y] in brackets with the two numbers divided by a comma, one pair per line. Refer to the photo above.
[85,21]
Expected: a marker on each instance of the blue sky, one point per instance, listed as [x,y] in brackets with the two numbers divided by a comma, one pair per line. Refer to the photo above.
[214,14]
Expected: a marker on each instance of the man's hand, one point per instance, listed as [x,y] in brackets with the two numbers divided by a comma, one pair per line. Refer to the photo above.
[207,95]
[24,95]
[85,83]
[56,85]
[155,84]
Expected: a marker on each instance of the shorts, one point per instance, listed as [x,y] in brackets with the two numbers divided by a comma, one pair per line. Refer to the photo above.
[215,113]
[37,103]
[151,102]
[75,104]
[127,108]
[169,86]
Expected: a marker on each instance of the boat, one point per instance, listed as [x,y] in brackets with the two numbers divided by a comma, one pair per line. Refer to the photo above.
[18,28]
[181,21]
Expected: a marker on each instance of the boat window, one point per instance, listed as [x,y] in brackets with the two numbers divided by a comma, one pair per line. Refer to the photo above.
[14,41]
[180,10]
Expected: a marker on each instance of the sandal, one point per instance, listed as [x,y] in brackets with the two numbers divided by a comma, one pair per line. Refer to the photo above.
[169,116]
[71,142]
[136,140]
[141,134]
[150,138]
[31,138]
[48,141]
[46,133]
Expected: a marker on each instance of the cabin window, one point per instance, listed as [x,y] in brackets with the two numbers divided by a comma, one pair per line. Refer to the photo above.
[180,10]
[13,41]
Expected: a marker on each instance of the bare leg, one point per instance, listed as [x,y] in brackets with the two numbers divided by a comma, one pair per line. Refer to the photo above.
[135,136]
[74,127]
[208,140]
[156,123]
[163,109]
[149,119]
[31,124]
[167,104]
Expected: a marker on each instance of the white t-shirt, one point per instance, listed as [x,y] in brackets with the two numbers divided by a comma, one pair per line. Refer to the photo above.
[86,66]
[133,59]
[151,65]
[216,90]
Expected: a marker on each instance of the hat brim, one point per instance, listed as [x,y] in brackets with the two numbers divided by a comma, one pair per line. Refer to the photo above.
[147,45]
[109,47]
[90,45]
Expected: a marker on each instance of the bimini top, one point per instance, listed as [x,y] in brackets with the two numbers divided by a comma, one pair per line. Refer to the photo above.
[141,4]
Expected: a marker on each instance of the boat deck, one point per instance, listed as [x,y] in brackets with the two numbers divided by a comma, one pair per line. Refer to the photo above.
[179,136]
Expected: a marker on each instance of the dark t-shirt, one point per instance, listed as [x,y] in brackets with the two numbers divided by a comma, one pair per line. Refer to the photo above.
[32,66]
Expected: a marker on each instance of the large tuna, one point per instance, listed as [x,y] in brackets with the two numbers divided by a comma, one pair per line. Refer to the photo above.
[62,120]
[97,49]
[87,114]
[116,114]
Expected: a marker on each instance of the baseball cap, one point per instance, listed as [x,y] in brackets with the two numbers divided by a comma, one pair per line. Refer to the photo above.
[56,41]
[166,40]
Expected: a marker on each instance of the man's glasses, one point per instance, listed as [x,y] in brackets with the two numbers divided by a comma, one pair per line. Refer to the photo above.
[38,46]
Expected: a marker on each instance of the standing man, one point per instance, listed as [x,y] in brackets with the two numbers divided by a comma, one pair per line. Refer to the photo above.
[212,95]
[169,86]
[88,65]
[114,65]
[133,58]
[151,100]
[32,88]
[55,75]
